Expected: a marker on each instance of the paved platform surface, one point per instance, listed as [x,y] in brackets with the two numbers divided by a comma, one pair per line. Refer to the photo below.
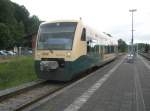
[119,86]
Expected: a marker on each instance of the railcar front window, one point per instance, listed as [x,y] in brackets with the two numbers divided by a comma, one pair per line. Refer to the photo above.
[56,36]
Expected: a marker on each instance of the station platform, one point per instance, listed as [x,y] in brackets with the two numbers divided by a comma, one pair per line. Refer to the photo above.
[118,86]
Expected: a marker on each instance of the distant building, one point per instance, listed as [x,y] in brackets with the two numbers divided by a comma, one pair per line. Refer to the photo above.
[29,40]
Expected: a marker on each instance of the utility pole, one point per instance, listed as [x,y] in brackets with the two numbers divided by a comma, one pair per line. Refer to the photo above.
[137,49]
[132,11]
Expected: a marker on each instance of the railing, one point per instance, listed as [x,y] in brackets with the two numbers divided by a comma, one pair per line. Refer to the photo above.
[146,55]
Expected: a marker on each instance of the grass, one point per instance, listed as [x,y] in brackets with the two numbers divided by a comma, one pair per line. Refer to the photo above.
[16,72]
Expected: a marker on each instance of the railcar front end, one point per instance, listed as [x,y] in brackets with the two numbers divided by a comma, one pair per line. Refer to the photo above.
[56,50]
[64,49]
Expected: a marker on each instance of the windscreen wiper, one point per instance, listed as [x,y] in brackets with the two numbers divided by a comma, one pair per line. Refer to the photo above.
[50,50]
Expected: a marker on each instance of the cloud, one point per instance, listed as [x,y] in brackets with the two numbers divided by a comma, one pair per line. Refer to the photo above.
[111,16]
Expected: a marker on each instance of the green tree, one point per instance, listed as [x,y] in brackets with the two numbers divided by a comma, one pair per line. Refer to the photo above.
[18,34]
[122,46]
[146,48]
[22,15]
[15,23]
[4,36]
[6,12]
[33,24]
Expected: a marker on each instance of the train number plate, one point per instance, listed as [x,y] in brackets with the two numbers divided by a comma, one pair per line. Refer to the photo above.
[48,65]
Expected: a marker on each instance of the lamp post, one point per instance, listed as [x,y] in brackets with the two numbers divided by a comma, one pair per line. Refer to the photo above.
[132,10]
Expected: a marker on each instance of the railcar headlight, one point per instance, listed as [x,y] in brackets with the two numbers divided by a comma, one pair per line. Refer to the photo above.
[38,54]
[68,54]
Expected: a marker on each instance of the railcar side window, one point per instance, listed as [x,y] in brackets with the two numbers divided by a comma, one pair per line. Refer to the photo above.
[83,36]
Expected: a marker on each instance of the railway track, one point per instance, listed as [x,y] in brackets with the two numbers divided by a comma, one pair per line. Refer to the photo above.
[20,98]
[23,97]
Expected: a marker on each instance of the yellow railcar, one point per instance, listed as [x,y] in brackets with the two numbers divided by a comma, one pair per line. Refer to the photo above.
[66,48]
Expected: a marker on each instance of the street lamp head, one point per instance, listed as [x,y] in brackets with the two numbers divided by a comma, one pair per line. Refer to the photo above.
[132,10]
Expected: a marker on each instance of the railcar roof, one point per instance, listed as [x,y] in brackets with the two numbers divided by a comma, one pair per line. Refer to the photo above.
[60,21]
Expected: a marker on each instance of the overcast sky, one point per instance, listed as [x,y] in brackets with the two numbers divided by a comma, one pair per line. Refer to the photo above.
[111,16]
